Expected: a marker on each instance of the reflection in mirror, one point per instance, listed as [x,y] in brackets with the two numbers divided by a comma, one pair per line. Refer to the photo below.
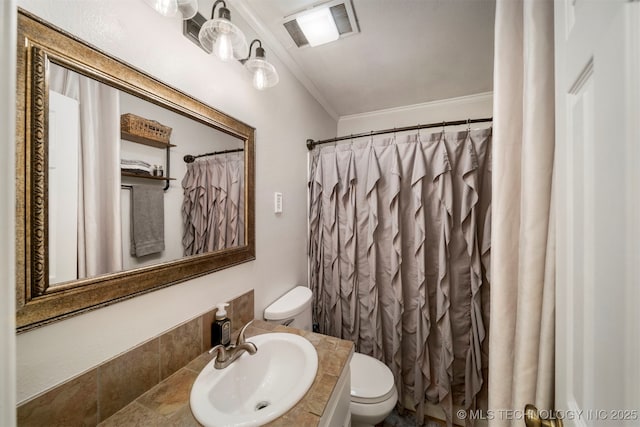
[93,224]
[107,203]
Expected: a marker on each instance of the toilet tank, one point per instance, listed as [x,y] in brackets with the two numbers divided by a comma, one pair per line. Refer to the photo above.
[291,309]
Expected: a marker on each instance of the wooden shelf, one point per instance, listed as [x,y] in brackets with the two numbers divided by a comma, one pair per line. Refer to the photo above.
[151,143]
[143,140]
[157,178]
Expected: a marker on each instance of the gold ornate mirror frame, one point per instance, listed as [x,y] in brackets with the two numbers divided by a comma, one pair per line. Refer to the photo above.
[40,43]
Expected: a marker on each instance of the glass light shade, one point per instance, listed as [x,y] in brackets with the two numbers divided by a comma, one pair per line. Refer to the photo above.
[264,74]
[222,48]
[188,8]
[224,39]
[318,27]
[164,7]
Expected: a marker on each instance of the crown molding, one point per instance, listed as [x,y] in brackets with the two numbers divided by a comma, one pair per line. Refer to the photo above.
[460,99]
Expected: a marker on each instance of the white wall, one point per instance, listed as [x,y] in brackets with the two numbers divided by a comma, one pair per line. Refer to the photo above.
[462,108]
[7,212]
[284,117]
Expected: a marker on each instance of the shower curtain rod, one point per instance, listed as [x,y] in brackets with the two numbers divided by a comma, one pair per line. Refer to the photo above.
[190,159]
[311,143]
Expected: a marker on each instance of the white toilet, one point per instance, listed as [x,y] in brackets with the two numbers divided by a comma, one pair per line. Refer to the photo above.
[291,309]
[373,391]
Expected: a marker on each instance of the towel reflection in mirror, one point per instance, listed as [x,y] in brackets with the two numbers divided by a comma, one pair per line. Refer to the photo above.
[147,220]
[213,207]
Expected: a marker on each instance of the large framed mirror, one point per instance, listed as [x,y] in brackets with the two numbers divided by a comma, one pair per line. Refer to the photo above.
[124,185]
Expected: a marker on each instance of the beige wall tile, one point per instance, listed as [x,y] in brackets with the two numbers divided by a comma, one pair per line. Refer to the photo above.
[179,346]
[242,312]
[73,404]
[126,377]
[207,320]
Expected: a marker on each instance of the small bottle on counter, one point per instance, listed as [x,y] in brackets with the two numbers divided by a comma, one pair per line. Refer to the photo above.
[221,327]
[160,171]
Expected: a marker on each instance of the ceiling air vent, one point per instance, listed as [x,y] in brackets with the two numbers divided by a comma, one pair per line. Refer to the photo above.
[343,15]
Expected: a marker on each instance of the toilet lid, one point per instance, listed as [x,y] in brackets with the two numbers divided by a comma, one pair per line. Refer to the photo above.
[371,380]
[290,304]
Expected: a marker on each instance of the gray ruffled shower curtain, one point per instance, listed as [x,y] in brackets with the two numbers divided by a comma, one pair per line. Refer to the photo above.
[213,204]
[399,248]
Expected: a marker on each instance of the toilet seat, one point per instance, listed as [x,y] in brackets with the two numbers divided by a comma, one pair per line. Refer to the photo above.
[371,380]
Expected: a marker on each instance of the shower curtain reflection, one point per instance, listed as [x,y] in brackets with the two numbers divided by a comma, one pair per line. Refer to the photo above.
[399,253]
[98,172]
[213,204]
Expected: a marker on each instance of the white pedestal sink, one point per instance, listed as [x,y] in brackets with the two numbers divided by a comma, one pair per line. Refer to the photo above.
[256,389]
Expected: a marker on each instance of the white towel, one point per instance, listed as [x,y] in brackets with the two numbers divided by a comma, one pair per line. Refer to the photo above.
[135,166]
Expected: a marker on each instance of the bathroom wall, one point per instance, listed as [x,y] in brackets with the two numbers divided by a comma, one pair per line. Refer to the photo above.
[472,106]
[284,116]
[7,212]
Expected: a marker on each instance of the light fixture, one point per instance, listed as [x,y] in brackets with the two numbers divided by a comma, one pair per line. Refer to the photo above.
[207,35]
[264,73]
[188,8]
[220,36]
[318,26]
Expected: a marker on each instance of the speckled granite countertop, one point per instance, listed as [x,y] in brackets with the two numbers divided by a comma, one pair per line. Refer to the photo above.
[167,404]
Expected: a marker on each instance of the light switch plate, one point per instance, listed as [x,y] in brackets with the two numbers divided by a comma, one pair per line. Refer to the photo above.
[277,202]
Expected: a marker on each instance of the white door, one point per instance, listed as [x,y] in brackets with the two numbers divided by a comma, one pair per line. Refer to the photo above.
[597,164]
[64,137]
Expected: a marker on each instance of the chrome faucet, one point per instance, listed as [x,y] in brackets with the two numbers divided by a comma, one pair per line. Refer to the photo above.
[225,356]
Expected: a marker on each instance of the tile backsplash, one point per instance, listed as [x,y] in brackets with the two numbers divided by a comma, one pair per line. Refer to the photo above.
[99,393]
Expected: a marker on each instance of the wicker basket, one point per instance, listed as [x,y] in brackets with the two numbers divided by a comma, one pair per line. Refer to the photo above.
[145,128]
